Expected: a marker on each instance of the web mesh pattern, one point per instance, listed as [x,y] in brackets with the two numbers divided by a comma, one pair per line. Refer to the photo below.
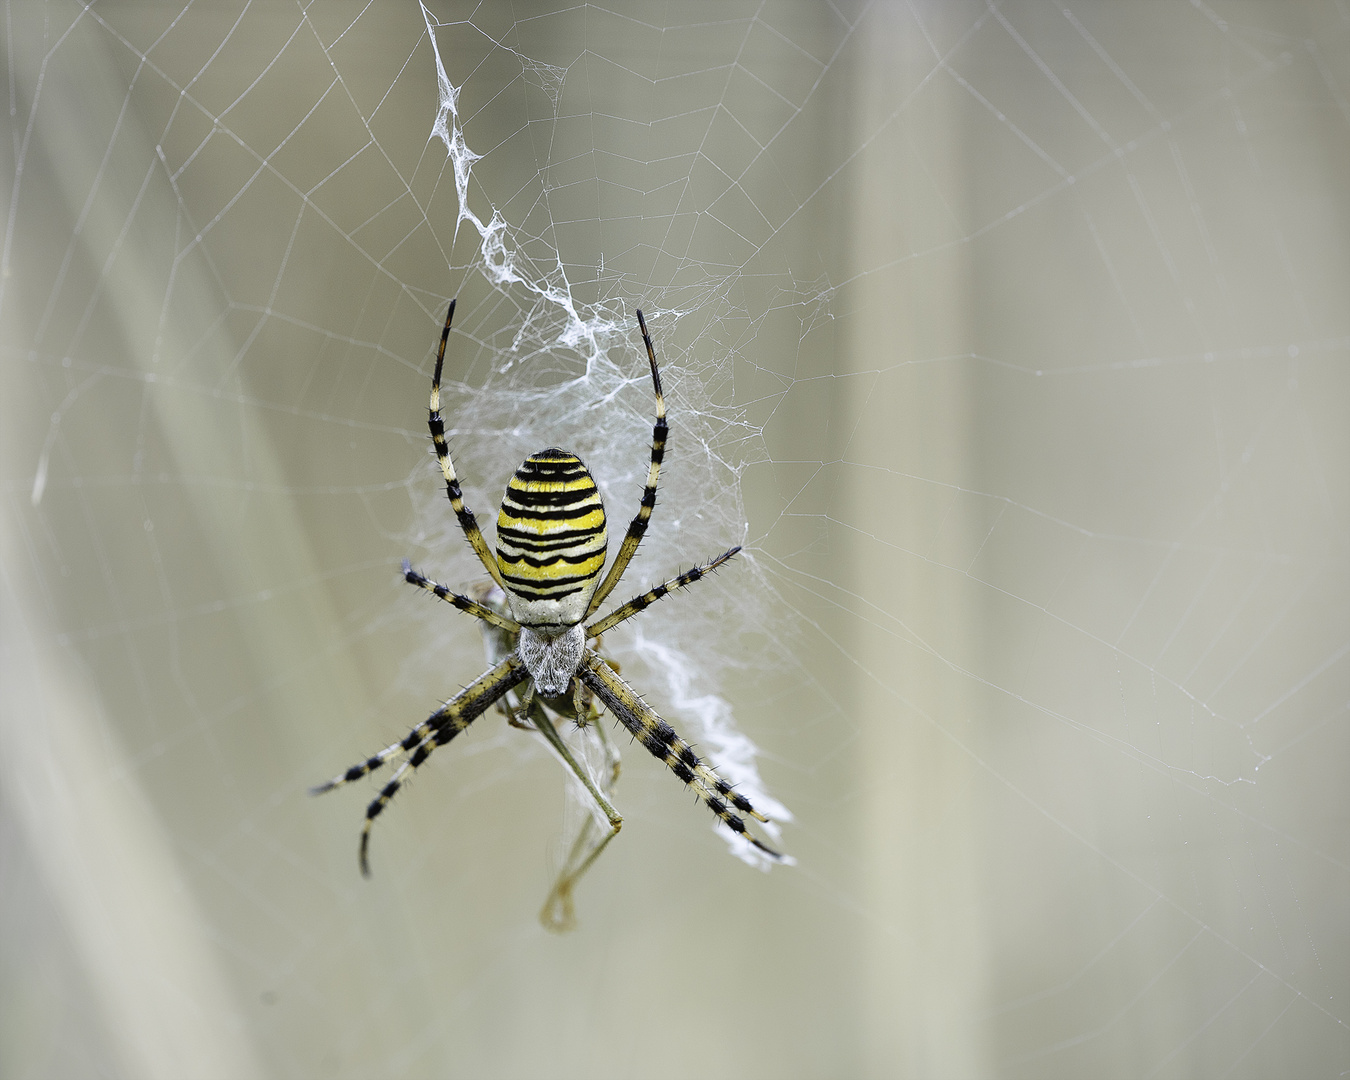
[1009,340]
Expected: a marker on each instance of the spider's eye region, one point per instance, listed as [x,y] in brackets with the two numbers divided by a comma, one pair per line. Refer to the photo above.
[551,539]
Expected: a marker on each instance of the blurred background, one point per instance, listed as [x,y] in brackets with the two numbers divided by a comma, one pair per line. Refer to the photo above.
[1011,341]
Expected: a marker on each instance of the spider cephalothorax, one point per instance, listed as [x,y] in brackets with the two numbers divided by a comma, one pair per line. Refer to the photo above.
[551,547]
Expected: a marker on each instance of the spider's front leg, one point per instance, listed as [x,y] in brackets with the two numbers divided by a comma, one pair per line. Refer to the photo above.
[437,730]
[662,742]
[558,913]
[526,710]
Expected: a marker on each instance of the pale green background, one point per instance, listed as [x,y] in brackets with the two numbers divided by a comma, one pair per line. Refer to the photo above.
[1042,315]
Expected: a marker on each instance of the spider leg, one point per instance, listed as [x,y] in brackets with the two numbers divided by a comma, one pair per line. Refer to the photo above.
[661,741]
[646,600]
[437,730]
[467,521]
[558,912]
[638,526]
[414,737]
[376,808]
[473,607]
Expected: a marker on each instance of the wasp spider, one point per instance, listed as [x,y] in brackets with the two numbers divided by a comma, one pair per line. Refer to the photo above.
[551,547]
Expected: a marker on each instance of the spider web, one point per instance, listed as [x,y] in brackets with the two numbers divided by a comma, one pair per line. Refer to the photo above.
[1010,341]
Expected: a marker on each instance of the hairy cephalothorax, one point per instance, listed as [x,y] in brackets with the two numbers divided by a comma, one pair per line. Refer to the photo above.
[551,659]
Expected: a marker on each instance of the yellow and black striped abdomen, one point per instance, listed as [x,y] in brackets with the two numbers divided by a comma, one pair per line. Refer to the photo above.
[551,539]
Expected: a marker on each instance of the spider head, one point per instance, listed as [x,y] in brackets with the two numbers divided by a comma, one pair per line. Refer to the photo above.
[551,658]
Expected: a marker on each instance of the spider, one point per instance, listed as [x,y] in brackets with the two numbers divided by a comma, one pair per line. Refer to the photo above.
[551,549]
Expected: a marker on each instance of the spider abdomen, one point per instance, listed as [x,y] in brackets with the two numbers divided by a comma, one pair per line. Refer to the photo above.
[551,539]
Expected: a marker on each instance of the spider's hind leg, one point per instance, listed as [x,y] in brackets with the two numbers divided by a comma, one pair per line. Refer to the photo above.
[637,528]
[436,425]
